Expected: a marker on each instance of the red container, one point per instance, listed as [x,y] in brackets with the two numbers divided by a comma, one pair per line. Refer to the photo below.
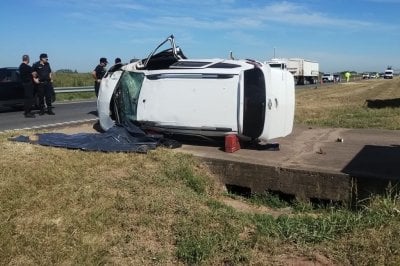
[231,143]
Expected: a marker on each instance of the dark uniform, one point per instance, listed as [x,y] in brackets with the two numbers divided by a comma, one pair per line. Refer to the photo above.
[45,88]
[25,72]
[117,66]
[99,73]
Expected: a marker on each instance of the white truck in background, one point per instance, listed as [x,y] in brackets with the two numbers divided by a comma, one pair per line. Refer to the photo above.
[304,71]
[388,73]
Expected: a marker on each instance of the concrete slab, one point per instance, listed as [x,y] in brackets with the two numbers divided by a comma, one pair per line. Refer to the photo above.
[313,163]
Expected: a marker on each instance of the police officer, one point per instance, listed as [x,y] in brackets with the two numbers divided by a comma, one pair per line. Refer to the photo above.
[27,75]
[45,87]
[117,66]
[98,73]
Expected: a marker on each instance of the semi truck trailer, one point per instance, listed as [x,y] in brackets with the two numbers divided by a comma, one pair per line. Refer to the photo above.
[304,71]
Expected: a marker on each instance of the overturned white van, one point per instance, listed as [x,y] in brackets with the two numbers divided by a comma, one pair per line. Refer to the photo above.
[170,94]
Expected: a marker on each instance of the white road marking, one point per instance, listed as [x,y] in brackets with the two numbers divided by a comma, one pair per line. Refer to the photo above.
[51,125]
[69,102]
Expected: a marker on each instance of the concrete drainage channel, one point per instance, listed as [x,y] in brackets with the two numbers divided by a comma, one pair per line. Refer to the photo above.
[315,187]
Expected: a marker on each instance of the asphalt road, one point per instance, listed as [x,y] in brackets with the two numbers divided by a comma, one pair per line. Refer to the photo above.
[66,113]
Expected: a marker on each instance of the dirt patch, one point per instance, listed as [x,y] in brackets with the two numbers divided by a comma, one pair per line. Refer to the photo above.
[248,208]
[314,260]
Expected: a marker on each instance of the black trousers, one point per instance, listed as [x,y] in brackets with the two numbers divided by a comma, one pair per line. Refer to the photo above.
[45,91]
[96,88]
[29,93]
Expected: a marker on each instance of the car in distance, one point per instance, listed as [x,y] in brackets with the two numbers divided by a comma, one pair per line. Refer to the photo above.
[388,73]
[337,78]
[328,77]
[374,75]
[365,76]
[170,94]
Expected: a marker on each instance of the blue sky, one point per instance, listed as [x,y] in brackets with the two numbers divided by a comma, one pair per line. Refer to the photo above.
[360,35]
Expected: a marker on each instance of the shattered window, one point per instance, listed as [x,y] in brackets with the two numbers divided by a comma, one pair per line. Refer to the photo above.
[129,88]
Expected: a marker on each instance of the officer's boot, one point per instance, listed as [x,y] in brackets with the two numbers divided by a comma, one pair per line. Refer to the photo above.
[50,111]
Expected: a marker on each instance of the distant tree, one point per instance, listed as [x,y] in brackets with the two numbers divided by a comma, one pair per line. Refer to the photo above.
[64,71]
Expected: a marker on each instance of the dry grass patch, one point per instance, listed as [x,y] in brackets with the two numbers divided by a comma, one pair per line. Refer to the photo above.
[60,206]
[68,206]
[345,105]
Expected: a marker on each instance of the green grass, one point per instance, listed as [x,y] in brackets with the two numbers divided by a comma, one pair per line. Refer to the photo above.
[72,207]
[70,96]
[72,79]
[345,105]
[357,117]
[269,199]
[310,230]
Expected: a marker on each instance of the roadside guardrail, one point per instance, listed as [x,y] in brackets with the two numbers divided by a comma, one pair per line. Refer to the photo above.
[73,89]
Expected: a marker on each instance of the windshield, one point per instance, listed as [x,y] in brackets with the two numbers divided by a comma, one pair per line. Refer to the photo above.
[128,91]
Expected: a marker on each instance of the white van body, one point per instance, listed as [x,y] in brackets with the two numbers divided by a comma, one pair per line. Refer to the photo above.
[388,74]
[170,94]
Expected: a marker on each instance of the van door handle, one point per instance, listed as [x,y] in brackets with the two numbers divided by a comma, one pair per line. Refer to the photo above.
[269,104]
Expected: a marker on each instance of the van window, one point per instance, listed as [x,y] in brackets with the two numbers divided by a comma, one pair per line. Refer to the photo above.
[254,102]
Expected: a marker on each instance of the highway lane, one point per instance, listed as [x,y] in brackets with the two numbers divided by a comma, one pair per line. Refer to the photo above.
[66,113]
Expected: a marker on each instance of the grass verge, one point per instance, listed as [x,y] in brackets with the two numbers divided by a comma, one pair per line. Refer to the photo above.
[72,207]
[366,104]
[71,96]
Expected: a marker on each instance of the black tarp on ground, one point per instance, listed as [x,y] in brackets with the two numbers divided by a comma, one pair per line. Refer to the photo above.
[120,138]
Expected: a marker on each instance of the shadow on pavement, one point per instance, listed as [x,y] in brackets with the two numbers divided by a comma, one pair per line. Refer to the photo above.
[375,169]
[93,113]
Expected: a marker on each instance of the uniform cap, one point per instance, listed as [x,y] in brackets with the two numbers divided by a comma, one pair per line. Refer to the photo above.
[43,56]
[103,60]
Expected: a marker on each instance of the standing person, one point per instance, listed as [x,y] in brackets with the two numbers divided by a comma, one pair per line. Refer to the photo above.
[45,87]
[347,75]
[118,64]
[98,74]
[27,75]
